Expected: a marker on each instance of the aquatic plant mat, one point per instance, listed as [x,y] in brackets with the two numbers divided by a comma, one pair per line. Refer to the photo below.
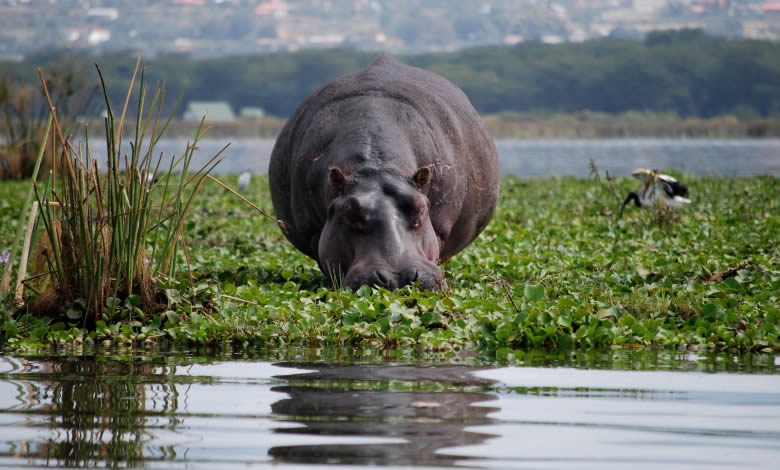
[554,269]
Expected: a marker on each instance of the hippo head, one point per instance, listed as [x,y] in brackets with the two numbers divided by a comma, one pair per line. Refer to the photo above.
[378,231]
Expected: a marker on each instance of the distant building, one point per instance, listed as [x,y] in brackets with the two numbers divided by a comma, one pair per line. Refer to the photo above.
[251,112]
[649,7]
[73,34]
[11,57]
[697,9]
[773,7]
[184,45]
[109,14]
[96,36]
[275,8]
[214,111]
[86,36]
[325,39]
[512,39]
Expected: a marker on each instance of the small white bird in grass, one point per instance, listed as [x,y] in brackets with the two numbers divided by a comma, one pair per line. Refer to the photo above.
[657,190]
[243,180]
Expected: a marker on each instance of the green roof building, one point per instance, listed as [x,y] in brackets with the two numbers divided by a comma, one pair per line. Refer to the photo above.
[213,110]
[251,112]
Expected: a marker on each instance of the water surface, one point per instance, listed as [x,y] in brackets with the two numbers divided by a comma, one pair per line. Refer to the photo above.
[617,410]
[562,157]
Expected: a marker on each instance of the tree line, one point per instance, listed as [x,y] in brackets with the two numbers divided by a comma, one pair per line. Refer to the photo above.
[685,72]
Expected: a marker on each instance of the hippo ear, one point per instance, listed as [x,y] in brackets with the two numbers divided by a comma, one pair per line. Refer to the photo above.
[423,176]
[336,180]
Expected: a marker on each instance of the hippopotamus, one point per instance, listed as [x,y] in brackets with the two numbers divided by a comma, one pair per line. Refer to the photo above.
[382,174]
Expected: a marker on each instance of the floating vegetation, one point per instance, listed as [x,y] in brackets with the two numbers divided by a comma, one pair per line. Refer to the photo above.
[554,269]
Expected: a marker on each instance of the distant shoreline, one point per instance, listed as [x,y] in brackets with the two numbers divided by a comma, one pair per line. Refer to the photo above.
[505,126]
[525,126]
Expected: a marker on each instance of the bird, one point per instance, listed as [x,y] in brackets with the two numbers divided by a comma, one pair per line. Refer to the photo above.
[243,180]
[657,190]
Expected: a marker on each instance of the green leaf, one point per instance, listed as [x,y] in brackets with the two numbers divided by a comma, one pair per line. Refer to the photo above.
[173,295]
[504,332]
[431,319]
[364,291]
[73,313]
[11,329]
[134,300]
[112,303]
[350,319]
[610,312]
[39,332]
[710,310]
[732,283]
[565,341]
[533,292]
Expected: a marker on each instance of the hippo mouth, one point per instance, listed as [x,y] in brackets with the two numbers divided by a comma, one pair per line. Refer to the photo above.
[426,276]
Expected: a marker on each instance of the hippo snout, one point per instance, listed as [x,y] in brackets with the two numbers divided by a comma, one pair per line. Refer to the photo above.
[428,277]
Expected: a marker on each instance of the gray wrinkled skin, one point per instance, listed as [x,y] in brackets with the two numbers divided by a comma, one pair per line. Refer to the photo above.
[382,174]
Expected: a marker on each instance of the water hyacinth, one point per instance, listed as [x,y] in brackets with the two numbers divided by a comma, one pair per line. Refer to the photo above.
[5,256]
[554,269]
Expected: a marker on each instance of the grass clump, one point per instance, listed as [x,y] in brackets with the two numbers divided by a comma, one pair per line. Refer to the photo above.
[108,239]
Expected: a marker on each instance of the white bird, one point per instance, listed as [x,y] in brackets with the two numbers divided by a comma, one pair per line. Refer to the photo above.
[243,180]
[657,190]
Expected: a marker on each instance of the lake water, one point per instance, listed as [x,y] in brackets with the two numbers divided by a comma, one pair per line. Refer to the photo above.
[610,410]
[562,157]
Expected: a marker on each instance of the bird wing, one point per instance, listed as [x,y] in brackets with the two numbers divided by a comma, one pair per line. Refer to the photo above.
[672,187]
[667,187]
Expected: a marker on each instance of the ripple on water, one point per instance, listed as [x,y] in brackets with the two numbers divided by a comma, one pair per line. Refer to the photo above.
[176,412]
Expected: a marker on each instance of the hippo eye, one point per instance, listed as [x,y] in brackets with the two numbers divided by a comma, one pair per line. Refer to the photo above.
[417,212]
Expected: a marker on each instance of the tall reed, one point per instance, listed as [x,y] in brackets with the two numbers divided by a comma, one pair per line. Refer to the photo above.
[110,237]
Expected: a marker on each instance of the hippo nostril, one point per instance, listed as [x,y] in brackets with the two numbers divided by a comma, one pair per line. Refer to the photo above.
[410,276]
[382,278]
[422,276]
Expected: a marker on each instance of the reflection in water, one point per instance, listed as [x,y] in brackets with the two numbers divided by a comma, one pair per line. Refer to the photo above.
[95,411]
[164,411]
[426,421]
[81,412]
